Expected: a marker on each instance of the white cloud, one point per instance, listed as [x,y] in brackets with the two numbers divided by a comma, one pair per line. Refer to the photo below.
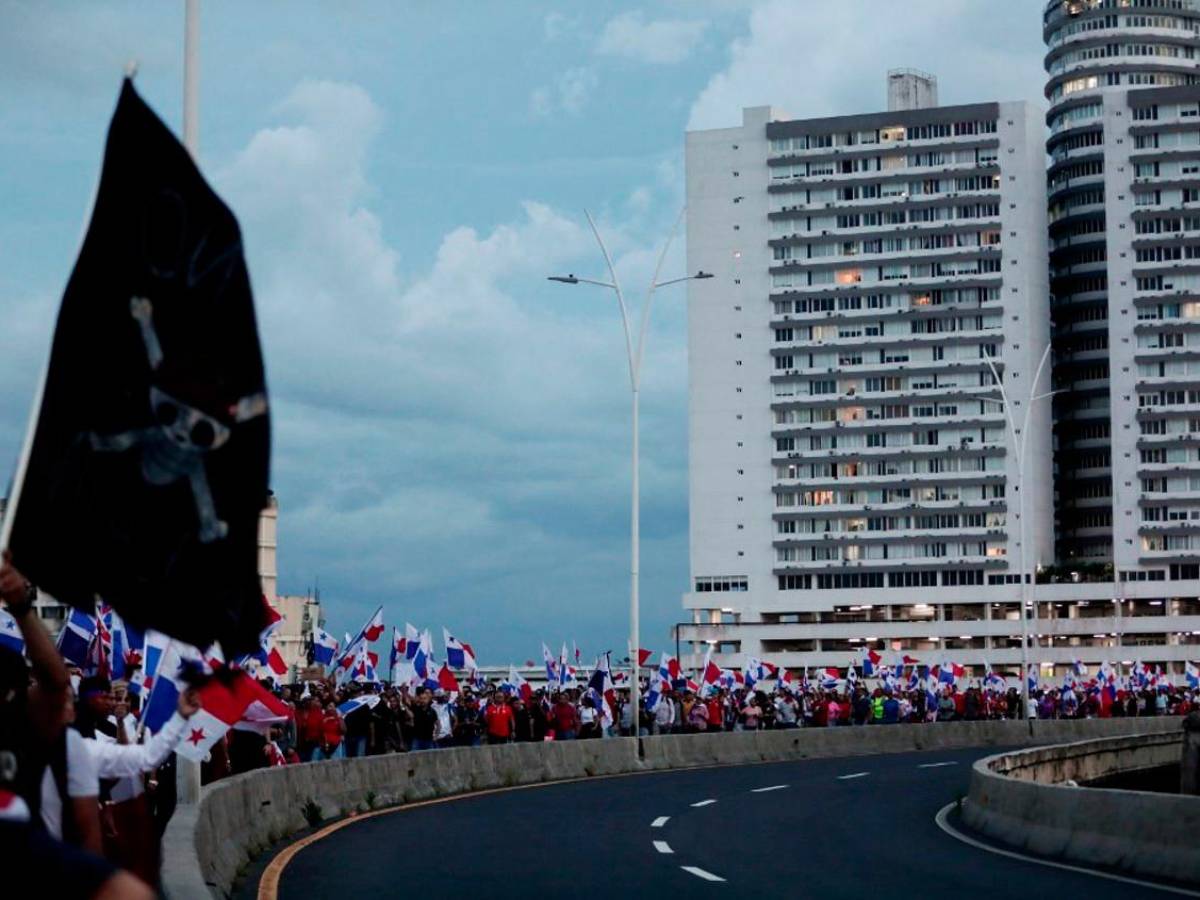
[459,434]
[569,93]
[661,41]
[557,24]
[813,60]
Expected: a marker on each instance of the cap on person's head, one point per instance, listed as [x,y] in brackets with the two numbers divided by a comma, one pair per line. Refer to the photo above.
[92,685]
[14,676]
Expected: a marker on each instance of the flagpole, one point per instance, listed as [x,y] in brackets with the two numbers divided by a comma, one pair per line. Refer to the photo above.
[191,77]
[187,771]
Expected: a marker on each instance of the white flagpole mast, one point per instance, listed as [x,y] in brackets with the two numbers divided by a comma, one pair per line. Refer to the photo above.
[191,77]
[187,772]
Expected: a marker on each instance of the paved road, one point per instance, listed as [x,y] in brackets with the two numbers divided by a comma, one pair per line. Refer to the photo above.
[827,829]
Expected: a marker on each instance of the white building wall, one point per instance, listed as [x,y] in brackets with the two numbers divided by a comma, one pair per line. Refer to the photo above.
[729,416]
[1026,295]
[1122,340]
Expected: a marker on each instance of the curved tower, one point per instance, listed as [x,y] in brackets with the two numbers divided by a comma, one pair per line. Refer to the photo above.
[1105,59]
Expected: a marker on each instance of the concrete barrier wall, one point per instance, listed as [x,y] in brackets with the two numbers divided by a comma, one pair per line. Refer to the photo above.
[1022,799]
[207,845]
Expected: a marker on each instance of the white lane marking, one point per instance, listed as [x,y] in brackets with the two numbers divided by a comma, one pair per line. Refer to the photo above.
[936,765]
[659,822]
[704,803]
[700,873]
[774,787]
[663,847]
[852,775]
[940,819]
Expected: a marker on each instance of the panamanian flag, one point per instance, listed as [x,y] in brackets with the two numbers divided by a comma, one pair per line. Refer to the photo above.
[10,634]
[325,646]
[225,700]
[459,654]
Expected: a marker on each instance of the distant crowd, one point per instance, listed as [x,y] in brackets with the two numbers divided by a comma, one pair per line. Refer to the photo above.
[404,719]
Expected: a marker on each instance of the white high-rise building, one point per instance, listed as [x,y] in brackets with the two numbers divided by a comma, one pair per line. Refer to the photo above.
[848,443]
[1124,180]
[853,475]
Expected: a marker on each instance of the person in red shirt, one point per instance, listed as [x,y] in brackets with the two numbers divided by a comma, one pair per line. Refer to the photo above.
[565,719]
[332,731]
[716,716]
[311,728]
[499,719]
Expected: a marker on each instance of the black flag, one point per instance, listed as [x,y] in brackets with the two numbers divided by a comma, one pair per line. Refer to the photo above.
[150,458]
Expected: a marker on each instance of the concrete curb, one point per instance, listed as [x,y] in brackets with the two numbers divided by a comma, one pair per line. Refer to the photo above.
[1021,799]
[206,846]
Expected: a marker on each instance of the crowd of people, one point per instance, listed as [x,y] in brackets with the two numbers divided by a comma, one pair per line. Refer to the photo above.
[400,718]
[384,719]
[86,794]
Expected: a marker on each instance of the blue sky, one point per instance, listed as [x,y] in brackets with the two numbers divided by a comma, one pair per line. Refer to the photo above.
[451,431]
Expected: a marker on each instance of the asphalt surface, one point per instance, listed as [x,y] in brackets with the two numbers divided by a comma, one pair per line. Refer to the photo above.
[815,834]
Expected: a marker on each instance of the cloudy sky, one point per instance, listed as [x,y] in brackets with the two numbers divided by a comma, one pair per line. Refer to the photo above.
[451,431]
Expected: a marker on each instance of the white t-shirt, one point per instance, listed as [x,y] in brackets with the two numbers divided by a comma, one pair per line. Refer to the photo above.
[130,786]
[443,719]
[82,781]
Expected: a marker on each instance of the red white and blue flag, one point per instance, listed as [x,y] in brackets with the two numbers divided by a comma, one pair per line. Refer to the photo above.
[234,699]
[325,646]
[412,641]
[10,634]
[75,639]
[399,647]
[179,666]
[710,674]
[370,701]
[870,661]
[446,680]
[459,655]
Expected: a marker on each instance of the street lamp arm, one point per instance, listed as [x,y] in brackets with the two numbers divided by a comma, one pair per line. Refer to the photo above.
[1018,445]
[699,275]
[641,342]
[616,286]
[575,279]
[1037,375]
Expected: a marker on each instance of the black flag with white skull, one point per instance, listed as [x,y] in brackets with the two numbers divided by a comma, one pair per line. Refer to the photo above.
[150,457]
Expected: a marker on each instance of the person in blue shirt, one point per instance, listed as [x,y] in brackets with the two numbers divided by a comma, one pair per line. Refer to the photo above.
[891,709]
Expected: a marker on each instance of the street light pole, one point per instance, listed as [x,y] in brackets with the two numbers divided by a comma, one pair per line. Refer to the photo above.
[634,353]
[1018,441]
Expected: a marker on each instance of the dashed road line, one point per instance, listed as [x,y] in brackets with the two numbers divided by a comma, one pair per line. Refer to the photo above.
[660,822]
[704,803]
[700,873]
[663,847]
[936,765]
[852,775]
[774,787]
[942,823]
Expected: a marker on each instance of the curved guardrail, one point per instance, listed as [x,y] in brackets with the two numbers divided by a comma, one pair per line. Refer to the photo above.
[1030,800]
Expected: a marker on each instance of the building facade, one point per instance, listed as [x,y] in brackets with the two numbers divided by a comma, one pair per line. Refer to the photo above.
[300,613]
[870,428]
[1107,65]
